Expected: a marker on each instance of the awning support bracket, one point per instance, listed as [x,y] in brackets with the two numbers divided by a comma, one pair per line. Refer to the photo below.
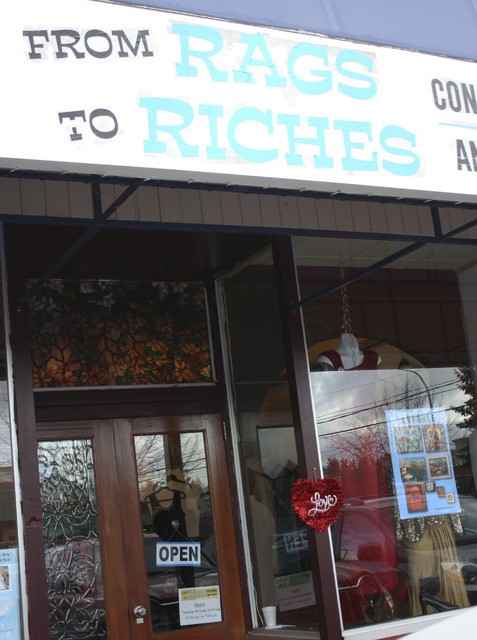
[79,243]
[436,220]
[360,274]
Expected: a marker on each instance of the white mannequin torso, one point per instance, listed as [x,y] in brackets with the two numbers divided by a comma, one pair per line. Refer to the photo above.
[349,352]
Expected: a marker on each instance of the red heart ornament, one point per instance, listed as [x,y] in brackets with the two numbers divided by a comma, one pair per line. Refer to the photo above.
[317,502]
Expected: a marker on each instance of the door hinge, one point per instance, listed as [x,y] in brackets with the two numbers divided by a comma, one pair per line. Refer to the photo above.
[225,430]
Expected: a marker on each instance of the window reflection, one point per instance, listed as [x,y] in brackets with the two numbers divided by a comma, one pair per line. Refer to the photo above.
[176,512]
[384,434]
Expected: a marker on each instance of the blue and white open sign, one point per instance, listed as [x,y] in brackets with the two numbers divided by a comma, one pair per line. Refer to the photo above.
[173,554]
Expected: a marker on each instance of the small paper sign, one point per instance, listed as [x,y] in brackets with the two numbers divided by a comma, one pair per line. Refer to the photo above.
[199,605]
[295,591]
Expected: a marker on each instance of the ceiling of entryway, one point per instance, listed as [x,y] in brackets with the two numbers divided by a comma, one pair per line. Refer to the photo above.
[361,254]
[130,253]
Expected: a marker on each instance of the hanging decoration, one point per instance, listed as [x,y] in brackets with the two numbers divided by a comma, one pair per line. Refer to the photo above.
[317,502]
[345,305]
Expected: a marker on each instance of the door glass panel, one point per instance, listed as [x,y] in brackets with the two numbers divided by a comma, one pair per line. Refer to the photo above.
[178,531]
[71,539]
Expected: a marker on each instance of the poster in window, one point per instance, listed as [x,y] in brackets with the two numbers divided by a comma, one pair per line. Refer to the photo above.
[421,458]
[10,627]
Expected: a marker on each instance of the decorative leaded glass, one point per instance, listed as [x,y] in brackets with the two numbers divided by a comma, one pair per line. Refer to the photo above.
[70,534]
[104,333]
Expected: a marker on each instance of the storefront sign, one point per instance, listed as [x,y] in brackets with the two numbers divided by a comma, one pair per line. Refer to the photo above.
[200,605]
[422,462]
[172,554]
[144,93]
[9,595]
[295,591]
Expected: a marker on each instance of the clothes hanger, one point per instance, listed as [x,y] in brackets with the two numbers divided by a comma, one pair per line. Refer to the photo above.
[172,494]
[164,495]
[172,477]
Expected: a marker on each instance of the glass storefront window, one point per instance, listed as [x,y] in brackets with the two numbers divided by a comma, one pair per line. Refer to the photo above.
[395,421]
[392,360]
[279,545]
[92,333]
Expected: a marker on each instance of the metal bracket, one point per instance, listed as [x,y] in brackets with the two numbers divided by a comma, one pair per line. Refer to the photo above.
[440,237]
[100,216]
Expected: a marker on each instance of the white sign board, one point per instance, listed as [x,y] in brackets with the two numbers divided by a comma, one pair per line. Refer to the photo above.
[101,88]
[199,605]
[173,554]
[295,591]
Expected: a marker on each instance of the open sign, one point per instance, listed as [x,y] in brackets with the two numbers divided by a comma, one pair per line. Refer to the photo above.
[173,554]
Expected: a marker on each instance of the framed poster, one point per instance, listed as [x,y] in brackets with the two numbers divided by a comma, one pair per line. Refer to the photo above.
[434,438]
[439,467]
[422,463]
[415,497]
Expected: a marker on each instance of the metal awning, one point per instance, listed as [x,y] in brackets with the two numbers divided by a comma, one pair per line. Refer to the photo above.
[131,185]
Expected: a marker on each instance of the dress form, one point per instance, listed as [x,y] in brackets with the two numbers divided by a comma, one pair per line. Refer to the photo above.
[349,352]
[347,356]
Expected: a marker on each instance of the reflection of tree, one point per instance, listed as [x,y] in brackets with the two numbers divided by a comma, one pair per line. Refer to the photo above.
[159,455]
[468,409]
[150,463]
[360,449]
[361,455]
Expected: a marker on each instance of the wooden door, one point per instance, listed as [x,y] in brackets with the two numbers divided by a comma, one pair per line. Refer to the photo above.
[138,530]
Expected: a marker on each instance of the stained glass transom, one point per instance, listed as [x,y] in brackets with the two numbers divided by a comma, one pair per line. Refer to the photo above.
[106,333]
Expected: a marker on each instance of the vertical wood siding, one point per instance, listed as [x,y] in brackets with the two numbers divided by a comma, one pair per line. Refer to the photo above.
[73,200]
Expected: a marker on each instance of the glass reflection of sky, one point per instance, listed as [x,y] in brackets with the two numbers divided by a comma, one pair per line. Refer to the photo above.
[353,401]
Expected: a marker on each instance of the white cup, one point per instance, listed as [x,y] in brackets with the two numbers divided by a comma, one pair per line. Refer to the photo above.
[270,616]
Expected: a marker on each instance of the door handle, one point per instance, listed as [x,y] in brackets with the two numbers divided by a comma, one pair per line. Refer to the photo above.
[139,611]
